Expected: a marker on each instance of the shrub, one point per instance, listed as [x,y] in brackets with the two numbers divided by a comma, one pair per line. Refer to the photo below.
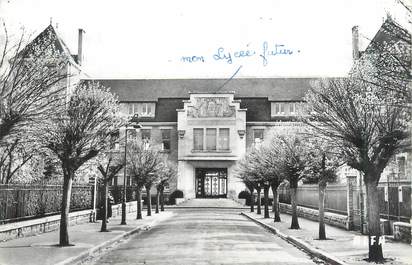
[244,194]
[175,194]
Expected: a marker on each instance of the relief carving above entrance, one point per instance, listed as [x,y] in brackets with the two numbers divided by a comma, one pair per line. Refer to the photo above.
[205,107]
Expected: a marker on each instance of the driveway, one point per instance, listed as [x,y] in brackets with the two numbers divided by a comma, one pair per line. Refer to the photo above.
[204,236]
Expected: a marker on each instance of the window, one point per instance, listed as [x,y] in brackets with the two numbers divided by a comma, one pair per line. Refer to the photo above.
[131,109]
[115,180]
[143,109]
[131,134]
[292,108]
[216,139]
[165,139]
[224,139]
[210,139]
[197,139]
[286,108]
[258,136]
[278,108]
[401,166]
[146,134]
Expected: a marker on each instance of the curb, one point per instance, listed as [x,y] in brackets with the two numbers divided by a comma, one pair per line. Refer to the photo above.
[87,253]
[299,243]
[207,207]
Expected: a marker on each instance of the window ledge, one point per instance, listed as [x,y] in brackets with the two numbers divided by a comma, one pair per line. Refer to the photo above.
[211,151]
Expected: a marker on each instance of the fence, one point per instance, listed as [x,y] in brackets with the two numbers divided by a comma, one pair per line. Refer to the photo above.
[20,202]
[117,193]
[308,196]
[336,200]
[392,208]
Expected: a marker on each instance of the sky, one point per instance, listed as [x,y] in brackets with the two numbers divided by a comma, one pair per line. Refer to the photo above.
[206,38]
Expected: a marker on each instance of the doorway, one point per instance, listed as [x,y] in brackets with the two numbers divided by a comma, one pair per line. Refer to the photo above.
[211,182]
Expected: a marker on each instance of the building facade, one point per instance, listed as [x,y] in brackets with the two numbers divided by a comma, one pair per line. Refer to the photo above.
[205,128]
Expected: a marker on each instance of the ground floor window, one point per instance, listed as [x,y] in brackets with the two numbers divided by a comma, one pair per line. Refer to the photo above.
[165,139]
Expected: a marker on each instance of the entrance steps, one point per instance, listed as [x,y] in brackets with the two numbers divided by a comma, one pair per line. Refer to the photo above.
[212,203]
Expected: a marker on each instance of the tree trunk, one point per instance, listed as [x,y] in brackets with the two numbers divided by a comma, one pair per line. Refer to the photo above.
[104,216]
[259,210]
[266,196]
[162,200]
[322,232]
[375,245]
[65,209]
[275,206]
[149,201]
[252,202]
[157,201]
[139,203]
[295,222]
[252,198]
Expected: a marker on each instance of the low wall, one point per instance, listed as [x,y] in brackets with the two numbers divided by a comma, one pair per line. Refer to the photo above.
[312,214]
[52,223]
[402,232]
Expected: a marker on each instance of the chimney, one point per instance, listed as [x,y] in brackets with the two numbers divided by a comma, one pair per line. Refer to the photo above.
[80,47]
[355,42]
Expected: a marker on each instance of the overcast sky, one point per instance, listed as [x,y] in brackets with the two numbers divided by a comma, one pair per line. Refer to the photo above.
[158,39]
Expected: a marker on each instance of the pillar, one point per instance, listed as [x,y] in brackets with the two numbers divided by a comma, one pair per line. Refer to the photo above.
[351,182]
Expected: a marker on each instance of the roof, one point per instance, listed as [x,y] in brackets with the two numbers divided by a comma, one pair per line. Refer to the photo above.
[275,89]
[390,32]
[50,32]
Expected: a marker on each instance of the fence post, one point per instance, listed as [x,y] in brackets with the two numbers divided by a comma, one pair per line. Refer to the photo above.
[350,182]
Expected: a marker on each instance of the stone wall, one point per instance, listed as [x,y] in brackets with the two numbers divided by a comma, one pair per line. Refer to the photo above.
[312,214]
[41,225]
[402,232]
[52,223]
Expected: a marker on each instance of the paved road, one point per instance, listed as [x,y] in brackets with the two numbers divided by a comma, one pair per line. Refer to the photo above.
[202,236]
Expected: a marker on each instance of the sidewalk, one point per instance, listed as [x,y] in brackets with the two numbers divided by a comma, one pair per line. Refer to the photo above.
[348,246]
[42,249]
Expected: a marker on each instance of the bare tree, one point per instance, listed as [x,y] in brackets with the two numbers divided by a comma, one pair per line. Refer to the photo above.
[13,157]
[78,135]
[109,166]
[361,120]
[167,173]
[323,161]
[143,162]
[293,160]
[261,163]
[248,176]
[272,165]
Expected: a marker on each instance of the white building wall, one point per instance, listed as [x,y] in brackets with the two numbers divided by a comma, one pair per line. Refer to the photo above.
[196,115]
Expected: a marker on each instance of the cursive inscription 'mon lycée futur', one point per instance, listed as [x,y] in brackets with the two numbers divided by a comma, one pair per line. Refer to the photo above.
[265,52]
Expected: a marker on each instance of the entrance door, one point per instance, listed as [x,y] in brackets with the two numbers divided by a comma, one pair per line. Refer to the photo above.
[211,182]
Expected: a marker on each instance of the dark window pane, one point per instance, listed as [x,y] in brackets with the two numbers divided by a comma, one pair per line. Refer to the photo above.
[258,134]
[198,139]
[166,139]
[210,139]
[146,134]
[224,138]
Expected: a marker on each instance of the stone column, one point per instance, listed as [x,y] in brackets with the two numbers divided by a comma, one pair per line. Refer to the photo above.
[351,182]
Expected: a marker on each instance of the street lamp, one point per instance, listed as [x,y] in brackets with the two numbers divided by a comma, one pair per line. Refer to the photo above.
[134,122]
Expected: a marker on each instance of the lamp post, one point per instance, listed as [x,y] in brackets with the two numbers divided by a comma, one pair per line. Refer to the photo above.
[134,122]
